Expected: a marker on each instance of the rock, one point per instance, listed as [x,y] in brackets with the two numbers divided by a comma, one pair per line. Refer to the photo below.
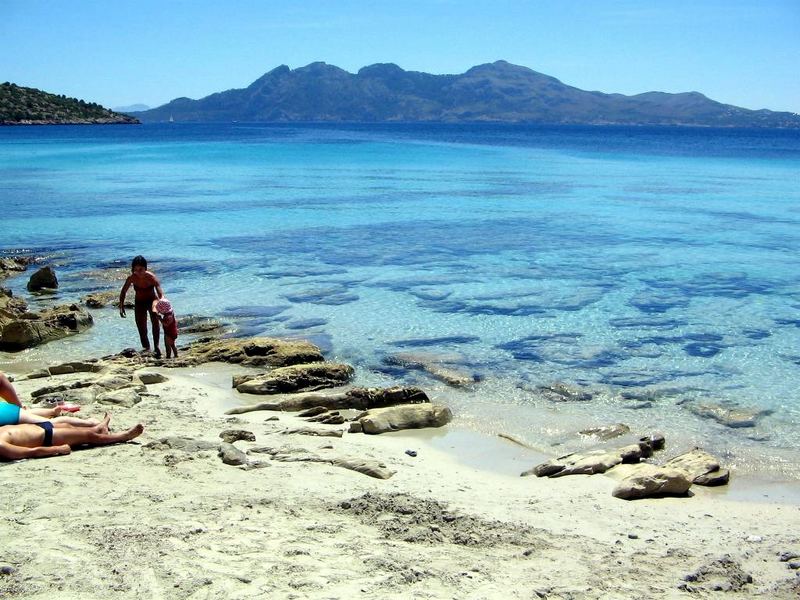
[231,455]
[411,453]
[254,352]
[356,398]
[30,329]
[151,377]
[298,378]
[126,397]
[328,418]
[734,417]
[234,435]
[787,556]
[434,365]
[406,416]
[314,431]
[38,374]
[355,427]
[701,467]
[656,441]
[181,443]
[103,299]
[7,570]
[79,396]
[75,367]
[44,278]
[198,324]
[561,392]
[587,463]
[606,432]
[650,480]
[52,389]
[721,575]
[313,412]
[368,467]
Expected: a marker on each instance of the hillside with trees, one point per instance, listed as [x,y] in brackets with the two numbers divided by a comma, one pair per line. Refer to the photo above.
[29,106]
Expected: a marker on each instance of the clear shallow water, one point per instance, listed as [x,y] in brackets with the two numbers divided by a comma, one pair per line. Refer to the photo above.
[630,261]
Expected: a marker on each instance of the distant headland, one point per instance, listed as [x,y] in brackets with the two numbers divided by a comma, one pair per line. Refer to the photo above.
[498,92]
[29,106]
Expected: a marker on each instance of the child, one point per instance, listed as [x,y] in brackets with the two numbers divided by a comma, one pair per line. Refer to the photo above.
[163,308]
[148,289]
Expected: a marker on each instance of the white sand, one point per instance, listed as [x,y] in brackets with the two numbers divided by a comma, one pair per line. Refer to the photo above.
[130,522]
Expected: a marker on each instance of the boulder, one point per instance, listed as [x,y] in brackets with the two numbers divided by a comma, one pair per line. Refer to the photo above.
[297,378]
[151,377]
[701,467]
[404,416]
[31,329]
[255,352]
[650,480]
[126,397]
[231,455]
[234,435]
[14,265]
[44,278]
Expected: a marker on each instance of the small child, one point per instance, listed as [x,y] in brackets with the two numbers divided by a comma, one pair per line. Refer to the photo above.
[163,308]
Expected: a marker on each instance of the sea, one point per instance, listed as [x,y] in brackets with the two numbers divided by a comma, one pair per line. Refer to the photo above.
[652,272]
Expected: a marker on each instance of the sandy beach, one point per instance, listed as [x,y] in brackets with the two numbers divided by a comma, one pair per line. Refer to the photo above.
[145,520]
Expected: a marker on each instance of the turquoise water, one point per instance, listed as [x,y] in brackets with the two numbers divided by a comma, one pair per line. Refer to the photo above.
[656,269]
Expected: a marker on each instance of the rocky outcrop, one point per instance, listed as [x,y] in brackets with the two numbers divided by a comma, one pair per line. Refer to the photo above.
[406,416]
[44,278]
[254,352]
[357,398]
[597,461]
[700,467]
[650,480]
[29,329]
[13,265]
[103,299]
[296,378]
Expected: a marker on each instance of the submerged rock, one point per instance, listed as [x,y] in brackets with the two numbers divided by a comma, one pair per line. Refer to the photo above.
[434,365]
[734,417]
[296,378]
[606,432]
[561,392]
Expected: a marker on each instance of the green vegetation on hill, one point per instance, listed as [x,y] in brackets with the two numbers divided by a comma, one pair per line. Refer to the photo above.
[29,106]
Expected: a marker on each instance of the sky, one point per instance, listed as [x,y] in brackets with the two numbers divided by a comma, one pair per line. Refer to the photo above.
[121,52]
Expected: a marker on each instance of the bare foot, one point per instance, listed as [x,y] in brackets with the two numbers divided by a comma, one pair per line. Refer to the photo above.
[133,432]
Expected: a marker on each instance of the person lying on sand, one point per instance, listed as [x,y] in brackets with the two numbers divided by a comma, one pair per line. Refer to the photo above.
[40,440]
[13,413]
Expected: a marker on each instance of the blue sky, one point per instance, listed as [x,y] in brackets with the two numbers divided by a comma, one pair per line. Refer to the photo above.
[116,52]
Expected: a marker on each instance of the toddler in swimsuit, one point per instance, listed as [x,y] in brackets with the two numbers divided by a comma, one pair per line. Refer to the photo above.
[163,308]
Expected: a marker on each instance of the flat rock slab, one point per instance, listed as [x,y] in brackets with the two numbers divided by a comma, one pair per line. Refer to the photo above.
[405,416]
[356,398]
[591,462]
[296,378]
[606,432]
[434,365]
[701,467]
[371,468]
[650,480]
[562,392]
[314,431]
[182,443]
[255,352]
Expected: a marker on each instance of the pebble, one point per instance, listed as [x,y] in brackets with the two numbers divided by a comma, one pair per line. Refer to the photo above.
[633,536]
[345,504]
[411,452]
[794,565]
[755,538]
[787,556]
[7,570]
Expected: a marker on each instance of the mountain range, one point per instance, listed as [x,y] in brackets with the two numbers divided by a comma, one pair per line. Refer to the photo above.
[497,92]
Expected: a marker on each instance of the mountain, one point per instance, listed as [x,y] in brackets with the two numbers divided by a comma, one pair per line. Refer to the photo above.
[131,108]
[496,92]
[29,106]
